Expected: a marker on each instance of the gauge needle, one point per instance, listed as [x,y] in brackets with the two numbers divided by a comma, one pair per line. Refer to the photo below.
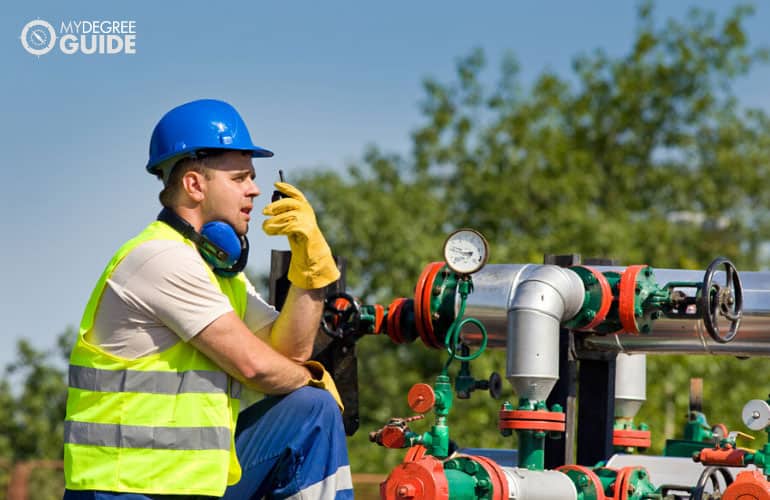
[37,36]
[461,251]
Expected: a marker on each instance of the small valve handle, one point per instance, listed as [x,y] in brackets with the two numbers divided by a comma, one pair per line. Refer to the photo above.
[394,433]
[421,398]
[340,314]
[494,385]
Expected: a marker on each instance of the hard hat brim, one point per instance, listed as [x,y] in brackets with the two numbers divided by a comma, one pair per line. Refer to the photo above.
[159,163]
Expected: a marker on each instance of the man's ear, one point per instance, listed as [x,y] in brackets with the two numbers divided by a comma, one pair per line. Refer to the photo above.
[194,184]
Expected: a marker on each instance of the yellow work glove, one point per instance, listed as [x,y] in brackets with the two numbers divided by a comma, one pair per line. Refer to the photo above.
[312,265]
[322,380]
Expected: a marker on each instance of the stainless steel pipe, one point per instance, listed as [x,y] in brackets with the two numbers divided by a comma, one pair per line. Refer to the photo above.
[495,288]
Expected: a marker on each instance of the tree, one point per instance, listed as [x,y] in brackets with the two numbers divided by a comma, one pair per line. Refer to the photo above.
[645,158]
[33,398]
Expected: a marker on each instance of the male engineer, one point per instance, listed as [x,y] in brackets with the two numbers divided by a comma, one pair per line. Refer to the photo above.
[173,329]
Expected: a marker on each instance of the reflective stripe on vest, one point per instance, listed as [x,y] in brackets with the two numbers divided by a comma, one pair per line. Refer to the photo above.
[156,438]
[155,382]
[163,423]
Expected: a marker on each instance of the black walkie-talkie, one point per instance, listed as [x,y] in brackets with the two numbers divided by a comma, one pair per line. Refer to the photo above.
[277,195]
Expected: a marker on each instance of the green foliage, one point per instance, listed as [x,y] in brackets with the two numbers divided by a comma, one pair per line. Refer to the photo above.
[728,384]
[645,157]
[33,398]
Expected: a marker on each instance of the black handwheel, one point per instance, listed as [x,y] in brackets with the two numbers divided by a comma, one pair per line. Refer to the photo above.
[721,300]
[711,475]
[337,322]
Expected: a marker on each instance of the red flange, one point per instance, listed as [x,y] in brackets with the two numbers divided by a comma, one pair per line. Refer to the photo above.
[532,425]
[550,416]
[496,476]
[749,485]
[622,483]
[538,420]
[379,314]
[394,320]
[422,312]
[623,486]
[591,475]
[606,303]
[629,438]
[627,299]
[418,477]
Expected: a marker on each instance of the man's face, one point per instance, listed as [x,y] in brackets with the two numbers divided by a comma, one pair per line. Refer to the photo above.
[230,190]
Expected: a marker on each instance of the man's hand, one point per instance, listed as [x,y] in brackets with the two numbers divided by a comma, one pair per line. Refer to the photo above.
[312,265]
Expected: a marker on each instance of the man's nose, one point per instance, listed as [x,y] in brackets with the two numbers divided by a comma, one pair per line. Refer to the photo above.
[253,189]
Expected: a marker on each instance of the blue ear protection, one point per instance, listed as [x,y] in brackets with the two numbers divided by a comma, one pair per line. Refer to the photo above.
[225,250]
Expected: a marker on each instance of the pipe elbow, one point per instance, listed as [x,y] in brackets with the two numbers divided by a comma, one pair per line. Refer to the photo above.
[551,290]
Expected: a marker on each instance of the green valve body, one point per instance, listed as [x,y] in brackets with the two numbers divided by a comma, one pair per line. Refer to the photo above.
[697,436]
[468,480]
[437,439]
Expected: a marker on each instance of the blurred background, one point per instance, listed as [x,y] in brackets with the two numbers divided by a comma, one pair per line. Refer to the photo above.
[636,131]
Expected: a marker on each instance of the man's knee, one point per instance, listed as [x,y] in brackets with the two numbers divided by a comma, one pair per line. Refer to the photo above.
[314,401]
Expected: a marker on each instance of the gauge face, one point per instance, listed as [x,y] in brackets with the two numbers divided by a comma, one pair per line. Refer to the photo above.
[466,251]
[756,414]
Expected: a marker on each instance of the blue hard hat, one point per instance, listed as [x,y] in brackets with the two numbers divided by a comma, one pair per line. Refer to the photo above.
[197,125]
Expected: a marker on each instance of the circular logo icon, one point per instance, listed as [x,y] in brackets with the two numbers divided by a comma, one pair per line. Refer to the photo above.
[38,37]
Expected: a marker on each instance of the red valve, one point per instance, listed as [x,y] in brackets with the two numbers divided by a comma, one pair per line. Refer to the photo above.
[418,477]
[749,485]
[393,435]
[726,455]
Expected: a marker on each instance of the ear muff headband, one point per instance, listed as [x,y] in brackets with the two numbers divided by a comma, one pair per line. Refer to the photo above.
[218,243]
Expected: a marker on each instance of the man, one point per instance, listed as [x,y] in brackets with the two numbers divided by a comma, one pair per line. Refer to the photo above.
[173,328]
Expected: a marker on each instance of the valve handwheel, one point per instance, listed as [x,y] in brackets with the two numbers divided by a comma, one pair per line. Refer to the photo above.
[721,300]
[421,398]
[339,309]
[712,481]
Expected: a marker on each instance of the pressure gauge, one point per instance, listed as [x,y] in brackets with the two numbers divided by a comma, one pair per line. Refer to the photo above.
[756,414]
[466,251]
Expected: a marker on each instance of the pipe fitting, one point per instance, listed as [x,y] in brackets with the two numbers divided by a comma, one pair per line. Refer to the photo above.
[548,296]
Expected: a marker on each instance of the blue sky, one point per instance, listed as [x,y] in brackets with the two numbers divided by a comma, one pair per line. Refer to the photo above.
[315,81]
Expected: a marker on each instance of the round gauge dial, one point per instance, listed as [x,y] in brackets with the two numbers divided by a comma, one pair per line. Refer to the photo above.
[756,414]
[466,251]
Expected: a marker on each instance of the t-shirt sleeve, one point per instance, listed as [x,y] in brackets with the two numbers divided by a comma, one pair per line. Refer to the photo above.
[259,313]
[175,287]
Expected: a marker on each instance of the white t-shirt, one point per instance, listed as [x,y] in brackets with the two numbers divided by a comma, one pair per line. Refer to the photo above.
[159,294]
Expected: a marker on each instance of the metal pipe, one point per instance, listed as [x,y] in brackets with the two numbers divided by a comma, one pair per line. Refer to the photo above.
[495,287]
[525,484]
[547,296]
[677,336]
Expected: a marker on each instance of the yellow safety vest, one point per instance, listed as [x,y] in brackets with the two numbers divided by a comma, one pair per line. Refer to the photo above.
[160,424]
